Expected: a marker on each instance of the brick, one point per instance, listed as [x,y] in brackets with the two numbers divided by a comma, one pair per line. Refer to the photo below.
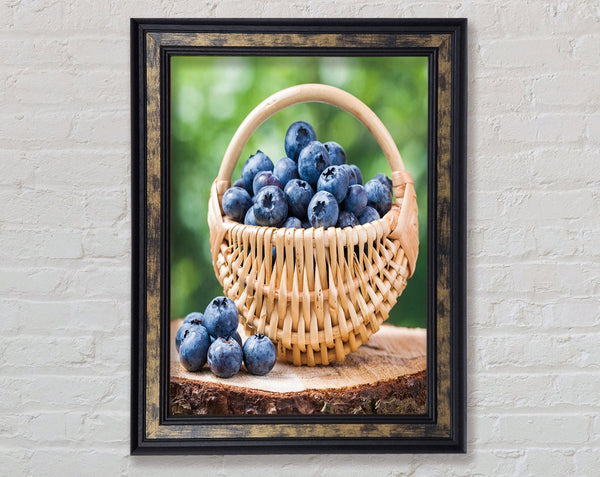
[16,168]
[47,243]
[81,166]
[106,208]
[558,314]
[40,87]
[68,393]
[592,132]
[50,352]
[558,167]
[558,89]
[80,317]
[63,461]
[106,243]
[101,128]
[99,51]
[541,429]
[42,208]
[587,461]
[550,462]
[586,49]
[101,282]
[508,352]
[17,281]
[36,126]
[44,15]
[538,206]
[538,53]
[41,51]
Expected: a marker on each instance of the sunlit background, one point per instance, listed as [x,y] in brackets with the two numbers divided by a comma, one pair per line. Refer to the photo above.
[210,97]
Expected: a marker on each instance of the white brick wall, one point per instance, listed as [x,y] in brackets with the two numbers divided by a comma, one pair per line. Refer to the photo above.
[533,240]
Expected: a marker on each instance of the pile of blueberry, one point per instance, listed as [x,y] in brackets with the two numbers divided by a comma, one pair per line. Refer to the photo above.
[212,338]
[311,187]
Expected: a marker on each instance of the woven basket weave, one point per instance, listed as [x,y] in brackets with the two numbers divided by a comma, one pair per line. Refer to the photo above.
[328,290]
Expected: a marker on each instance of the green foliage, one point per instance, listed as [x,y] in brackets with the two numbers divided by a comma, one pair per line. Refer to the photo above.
[210,97]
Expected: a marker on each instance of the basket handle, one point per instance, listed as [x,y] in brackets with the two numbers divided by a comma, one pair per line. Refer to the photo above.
[321,93]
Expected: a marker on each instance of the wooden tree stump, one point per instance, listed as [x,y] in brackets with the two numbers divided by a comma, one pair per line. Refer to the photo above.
[385,376]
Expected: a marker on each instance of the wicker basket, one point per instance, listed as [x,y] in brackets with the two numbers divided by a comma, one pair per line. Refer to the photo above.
[328,290]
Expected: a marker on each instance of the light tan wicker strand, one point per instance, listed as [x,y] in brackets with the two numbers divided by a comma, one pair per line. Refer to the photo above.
[327,291]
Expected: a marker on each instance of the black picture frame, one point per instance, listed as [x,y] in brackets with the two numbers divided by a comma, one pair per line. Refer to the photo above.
[443,428]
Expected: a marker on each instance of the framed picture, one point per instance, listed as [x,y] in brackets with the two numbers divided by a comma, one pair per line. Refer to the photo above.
[298,236]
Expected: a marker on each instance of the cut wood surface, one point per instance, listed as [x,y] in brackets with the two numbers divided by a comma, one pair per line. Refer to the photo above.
[386,375]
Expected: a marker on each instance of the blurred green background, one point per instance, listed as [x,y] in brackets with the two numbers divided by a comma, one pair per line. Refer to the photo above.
[210,97]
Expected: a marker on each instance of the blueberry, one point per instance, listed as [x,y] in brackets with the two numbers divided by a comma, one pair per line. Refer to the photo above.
[259,354]
[298,135]
[306,224]
[298,194]
[221,317]
[263,179]
[357,173]
[184,329]
[347,219]
[236,202]
[335,180]
[235,335]
[194,347]
[271,207]
[369,214]
[194,316]
[336,153]
[385,180]
[380,197]
[257,163]
[351,174]
[313,160]
[323,210]
[225,357]
[286,169]
[356,199]
[250,219]
[240,183]
[293,223]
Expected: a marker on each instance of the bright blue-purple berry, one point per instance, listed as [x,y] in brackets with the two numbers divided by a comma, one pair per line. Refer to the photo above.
[236,202]
[259,354]
[347,219]
[312,161]
[250,219]
[298,194]
[194,348]
[323,210]
[369,214]
[271,208]
[334,180]
[184,329]
[336,153]
[257,163]
[235,335]
[292,223]
[385,180]
[298,135]
[221,317]
[263,179]
[357,173]
[380,197]
[195,315]
[225,357]
[356,199]
[286,169]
